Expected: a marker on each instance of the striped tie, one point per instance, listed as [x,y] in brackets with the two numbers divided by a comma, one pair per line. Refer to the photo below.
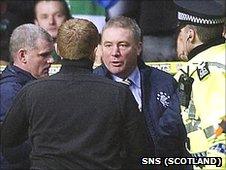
[127,82]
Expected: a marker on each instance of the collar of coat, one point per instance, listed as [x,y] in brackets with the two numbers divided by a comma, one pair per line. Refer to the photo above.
[76,65]
[13,73]
[205,46]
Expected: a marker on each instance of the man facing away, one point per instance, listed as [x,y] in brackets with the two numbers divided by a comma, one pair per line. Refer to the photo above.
[202,80]
[155,91]
[50,14]
[30,49]
[75,119]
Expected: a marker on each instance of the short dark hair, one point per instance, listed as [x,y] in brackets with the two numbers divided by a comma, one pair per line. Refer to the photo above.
[63,2]
[208,33]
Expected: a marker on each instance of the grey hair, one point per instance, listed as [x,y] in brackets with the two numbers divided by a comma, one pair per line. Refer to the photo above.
[124,22]
[25,36]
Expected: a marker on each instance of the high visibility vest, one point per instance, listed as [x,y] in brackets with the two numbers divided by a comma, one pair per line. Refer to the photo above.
[206,109]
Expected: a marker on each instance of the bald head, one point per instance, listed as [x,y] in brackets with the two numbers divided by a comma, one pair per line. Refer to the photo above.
[76,39]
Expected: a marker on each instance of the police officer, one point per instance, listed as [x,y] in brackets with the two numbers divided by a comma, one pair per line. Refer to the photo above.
[202,81]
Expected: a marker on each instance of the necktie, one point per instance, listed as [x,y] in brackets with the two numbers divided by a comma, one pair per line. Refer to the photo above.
[134,90]
[127,82]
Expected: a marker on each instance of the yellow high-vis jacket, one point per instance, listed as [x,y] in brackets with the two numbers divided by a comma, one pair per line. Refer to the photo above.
[205,118]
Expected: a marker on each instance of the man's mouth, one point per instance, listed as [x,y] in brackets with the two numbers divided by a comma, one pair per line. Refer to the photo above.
[116,63]
[52,29]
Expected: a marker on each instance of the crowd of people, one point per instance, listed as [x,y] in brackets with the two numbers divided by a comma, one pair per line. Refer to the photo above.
[112,116]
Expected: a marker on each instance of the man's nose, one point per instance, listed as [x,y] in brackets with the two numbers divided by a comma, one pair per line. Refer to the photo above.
[51,20]
[115,51]
[50,60]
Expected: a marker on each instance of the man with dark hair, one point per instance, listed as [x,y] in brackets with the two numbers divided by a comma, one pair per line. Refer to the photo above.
[202,80]
[50,14]
[67,123]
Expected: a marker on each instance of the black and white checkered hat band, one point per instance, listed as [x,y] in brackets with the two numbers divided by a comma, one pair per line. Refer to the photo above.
[186,17]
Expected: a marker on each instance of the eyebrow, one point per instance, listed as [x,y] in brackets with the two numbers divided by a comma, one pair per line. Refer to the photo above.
[117,42]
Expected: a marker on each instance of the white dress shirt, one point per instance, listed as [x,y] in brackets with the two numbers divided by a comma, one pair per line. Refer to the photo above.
[135,85]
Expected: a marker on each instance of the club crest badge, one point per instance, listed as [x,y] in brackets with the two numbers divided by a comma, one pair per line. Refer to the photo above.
[163,98]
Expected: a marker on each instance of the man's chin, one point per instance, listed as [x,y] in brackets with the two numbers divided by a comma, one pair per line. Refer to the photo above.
[53,34]
[116,71]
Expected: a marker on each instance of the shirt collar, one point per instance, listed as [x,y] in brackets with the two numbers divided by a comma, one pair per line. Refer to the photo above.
[134,77]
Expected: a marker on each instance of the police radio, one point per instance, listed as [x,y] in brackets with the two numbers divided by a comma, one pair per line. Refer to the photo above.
[185,88]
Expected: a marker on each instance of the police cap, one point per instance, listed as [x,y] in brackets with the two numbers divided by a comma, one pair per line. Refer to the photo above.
[200,12]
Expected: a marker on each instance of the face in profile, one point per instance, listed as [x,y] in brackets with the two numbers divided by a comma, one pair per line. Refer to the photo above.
[185,42]
[181,47]
[39,59]
[50,15]
[120,51]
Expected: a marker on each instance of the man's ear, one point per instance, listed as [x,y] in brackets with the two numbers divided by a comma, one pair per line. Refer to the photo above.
[191,35]
[139,48]
[36,22]
[21,55]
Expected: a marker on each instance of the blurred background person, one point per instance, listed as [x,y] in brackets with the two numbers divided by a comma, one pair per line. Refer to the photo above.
[50,14]
[72,129]
[30,48]
[202,80]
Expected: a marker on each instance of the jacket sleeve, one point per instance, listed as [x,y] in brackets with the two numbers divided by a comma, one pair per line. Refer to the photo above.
[14,128]
[172,132]
[8,93]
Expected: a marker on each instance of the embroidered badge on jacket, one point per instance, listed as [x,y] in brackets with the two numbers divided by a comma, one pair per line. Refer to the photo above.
[163,97]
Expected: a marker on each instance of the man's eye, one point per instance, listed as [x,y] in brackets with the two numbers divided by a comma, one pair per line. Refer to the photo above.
[44,16]
[123,45]
[45,55]
[60,15]
[107,45]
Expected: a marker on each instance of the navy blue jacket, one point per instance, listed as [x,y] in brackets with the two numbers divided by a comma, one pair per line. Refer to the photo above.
[161,108]
[12,80]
